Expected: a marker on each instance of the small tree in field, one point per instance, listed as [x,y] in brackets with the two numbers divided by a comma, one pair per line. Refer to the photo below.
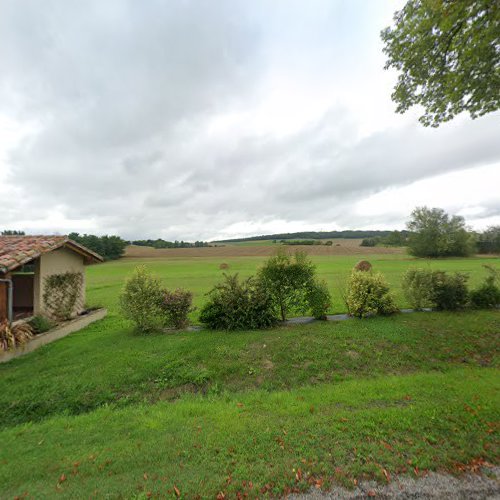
[292,284]
[141,298]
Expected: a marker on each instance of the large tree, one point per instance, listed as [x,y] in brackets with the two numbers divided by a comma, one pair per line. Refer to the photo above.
[433,233]
[448,55]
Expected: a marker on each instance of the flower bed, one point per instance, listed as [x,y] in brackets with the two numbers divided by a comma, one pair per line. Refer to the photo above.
[60,331]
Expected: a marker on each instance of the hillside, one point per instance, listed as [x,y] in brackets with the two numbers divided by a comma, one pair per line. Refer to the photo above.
[314,235]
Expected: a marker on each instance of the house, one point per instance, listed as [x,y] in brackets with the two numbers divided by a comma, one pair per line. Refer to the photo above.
[42,275]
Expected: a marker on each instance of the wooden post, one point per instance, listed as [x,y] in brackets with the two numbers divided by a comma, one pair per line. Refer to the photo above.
[4,301]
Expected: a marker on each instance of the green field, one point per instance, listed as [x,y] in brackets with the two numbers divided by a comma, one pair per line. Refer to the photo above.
[107,412]
[200,274]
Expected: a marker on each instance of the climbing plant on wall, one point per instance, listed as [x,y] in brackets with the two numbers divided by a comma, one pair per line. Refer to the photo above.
[61,292]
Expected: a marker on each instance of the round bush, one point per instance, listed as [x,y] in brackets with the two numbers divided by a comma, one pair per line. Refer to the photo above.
[238,305]
[368,294]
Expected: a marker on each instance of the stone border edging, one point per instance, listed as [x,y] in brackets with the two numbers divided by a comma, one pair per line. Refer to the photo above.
[55,334]
[302,320]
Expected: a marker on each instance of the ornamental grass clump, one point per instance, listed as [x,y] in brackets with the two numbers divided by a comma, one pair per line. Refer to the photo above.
[368,295]
[14,336]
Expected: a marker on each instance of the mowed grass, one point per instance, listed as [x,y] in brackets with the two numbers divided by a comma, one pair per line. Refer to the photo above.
[108,412]
[200,274]
[258,443]
[108,363]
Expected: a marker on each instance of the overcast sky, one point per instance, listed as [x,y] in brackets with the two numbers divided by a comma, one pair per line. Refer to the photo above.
[214,119]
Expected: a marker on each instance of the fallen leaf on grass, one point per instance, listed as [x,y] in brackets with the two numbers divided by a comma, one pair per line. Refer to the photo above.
[177,491]
[387,446]
[387,475]
[298,475]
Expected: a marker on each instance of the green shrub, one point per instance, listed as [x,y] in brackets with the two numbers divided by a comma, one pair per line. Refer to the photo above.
[176,307]
[319,299]
[369,242]
[41,324]
[289,280]
[238,305]
[435,289]
[141,298]
[487,295]
[449,292]
[418,287]
[368,294]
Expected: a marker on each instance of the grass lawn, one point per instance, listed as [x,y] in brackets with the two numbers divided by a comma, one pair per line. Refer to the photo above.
[258,442]
[106,412]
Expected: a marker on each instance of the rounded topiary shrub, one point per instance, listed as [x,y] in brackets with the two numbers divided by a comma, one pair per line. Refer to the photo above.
[368,294]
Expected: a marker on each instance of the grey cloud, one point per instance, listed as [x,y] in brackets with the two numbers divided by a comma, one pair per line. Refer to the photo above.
[123,94]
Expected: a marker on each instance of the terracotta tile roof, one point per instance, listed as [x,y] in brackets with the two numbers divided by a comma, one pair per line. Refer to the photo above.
[18,250]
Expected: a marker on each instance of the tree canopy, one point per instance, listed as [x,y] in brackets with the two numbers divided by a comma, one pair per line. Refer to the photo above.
[110,247]
[489,240]
[12,232]
[433,233]
[448,56]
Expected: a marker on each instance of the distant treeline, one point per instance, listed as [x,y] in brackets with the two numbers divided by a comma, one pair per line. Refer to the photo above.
[489,241]
[313,235]
[12,232]
[393,239]
[328,243]
[109,247]
[159,243]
